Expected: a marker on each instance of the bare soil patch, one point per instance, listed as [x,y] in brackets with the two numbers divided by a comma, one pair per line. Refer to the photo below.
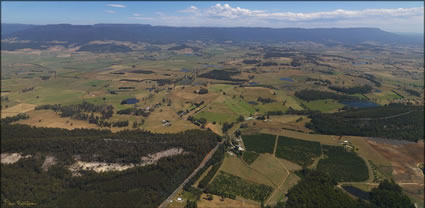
[10,158]
[48,162]
[106,167]
[404,159]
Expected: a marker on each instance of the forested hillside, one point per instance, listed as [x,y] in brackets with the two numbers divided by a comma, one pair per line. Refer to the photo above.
[393,121]
[28,181]
[317,189]
[148,33]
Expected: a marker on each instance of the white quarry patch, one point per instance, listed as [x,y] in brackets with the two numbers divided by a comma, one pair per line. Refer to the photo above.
[10,158]
[48,162]
[106,167]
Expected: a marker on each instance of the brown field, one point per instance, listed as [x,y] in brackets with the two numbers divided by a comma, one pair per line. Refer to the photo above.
[237,167]
[291,181]
[154,122]
[270,166]
[290,165]
[404,159]
[15,110]
[214,128]
[324,139]
[47,118]
[415,192]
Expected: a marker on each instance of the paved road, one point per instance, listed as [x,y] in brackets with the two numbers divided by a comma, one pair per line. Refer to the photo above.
[206,158]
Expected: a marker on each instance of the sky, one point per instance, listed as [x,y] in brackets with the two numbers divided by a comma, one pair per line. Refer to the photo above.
[407,17]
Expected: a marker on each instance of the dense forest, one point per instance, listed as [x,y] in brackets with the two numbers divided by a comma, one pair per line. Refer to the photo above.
[105,48]
[395,121]
[139,186]
[343,165]
[390,195]
[222,75]
[352,90]
[317,189]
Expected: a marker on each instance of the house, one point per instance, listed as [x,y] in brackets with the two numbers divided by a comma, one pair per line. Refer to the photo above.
[166,123]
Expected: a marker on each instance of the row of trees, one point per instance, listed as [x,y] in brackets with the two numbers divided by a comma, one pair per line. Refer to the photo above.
[311,95]
[352,90]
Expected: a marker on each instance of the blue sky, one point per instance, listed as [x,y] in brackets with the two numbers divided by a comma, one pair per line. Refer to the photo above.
[389,16]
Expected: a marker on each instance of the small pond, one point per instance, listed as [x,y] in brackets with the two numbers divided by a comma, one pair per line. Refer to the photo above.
[360,104]
[185,70]
[253,83]
[357,192]
[359,63]
[286,79]
[130,101]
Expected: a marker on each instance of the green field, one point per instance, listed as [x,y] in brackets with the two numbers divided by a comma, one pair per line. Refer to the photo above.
[231,186]
[249,157]
[298,151]
[215,116]
[259,143]
[323,105]
[342,165]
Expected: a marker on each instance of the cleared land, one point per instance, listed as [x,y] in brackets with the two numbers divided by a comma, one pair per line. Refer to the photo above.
[270,167]
[237,167]
[17,109]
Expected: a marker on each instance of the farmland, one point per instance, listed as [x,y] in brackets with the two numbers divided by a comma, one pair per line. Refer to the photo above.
[298,151]
[249,157]
[225,184]
[260,143]
[343,165]
[277,108]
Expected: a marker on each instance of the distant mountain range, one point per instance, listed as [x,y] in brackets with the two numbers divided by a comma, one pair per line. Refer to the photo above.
[81,34]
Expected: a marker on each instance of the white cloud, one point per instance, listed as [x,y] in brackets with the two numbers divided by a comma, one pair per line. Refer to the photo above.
[116,5]
[141,18]
[229,12]
[226,11]
[110,11]
[224,15]
[191,9]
